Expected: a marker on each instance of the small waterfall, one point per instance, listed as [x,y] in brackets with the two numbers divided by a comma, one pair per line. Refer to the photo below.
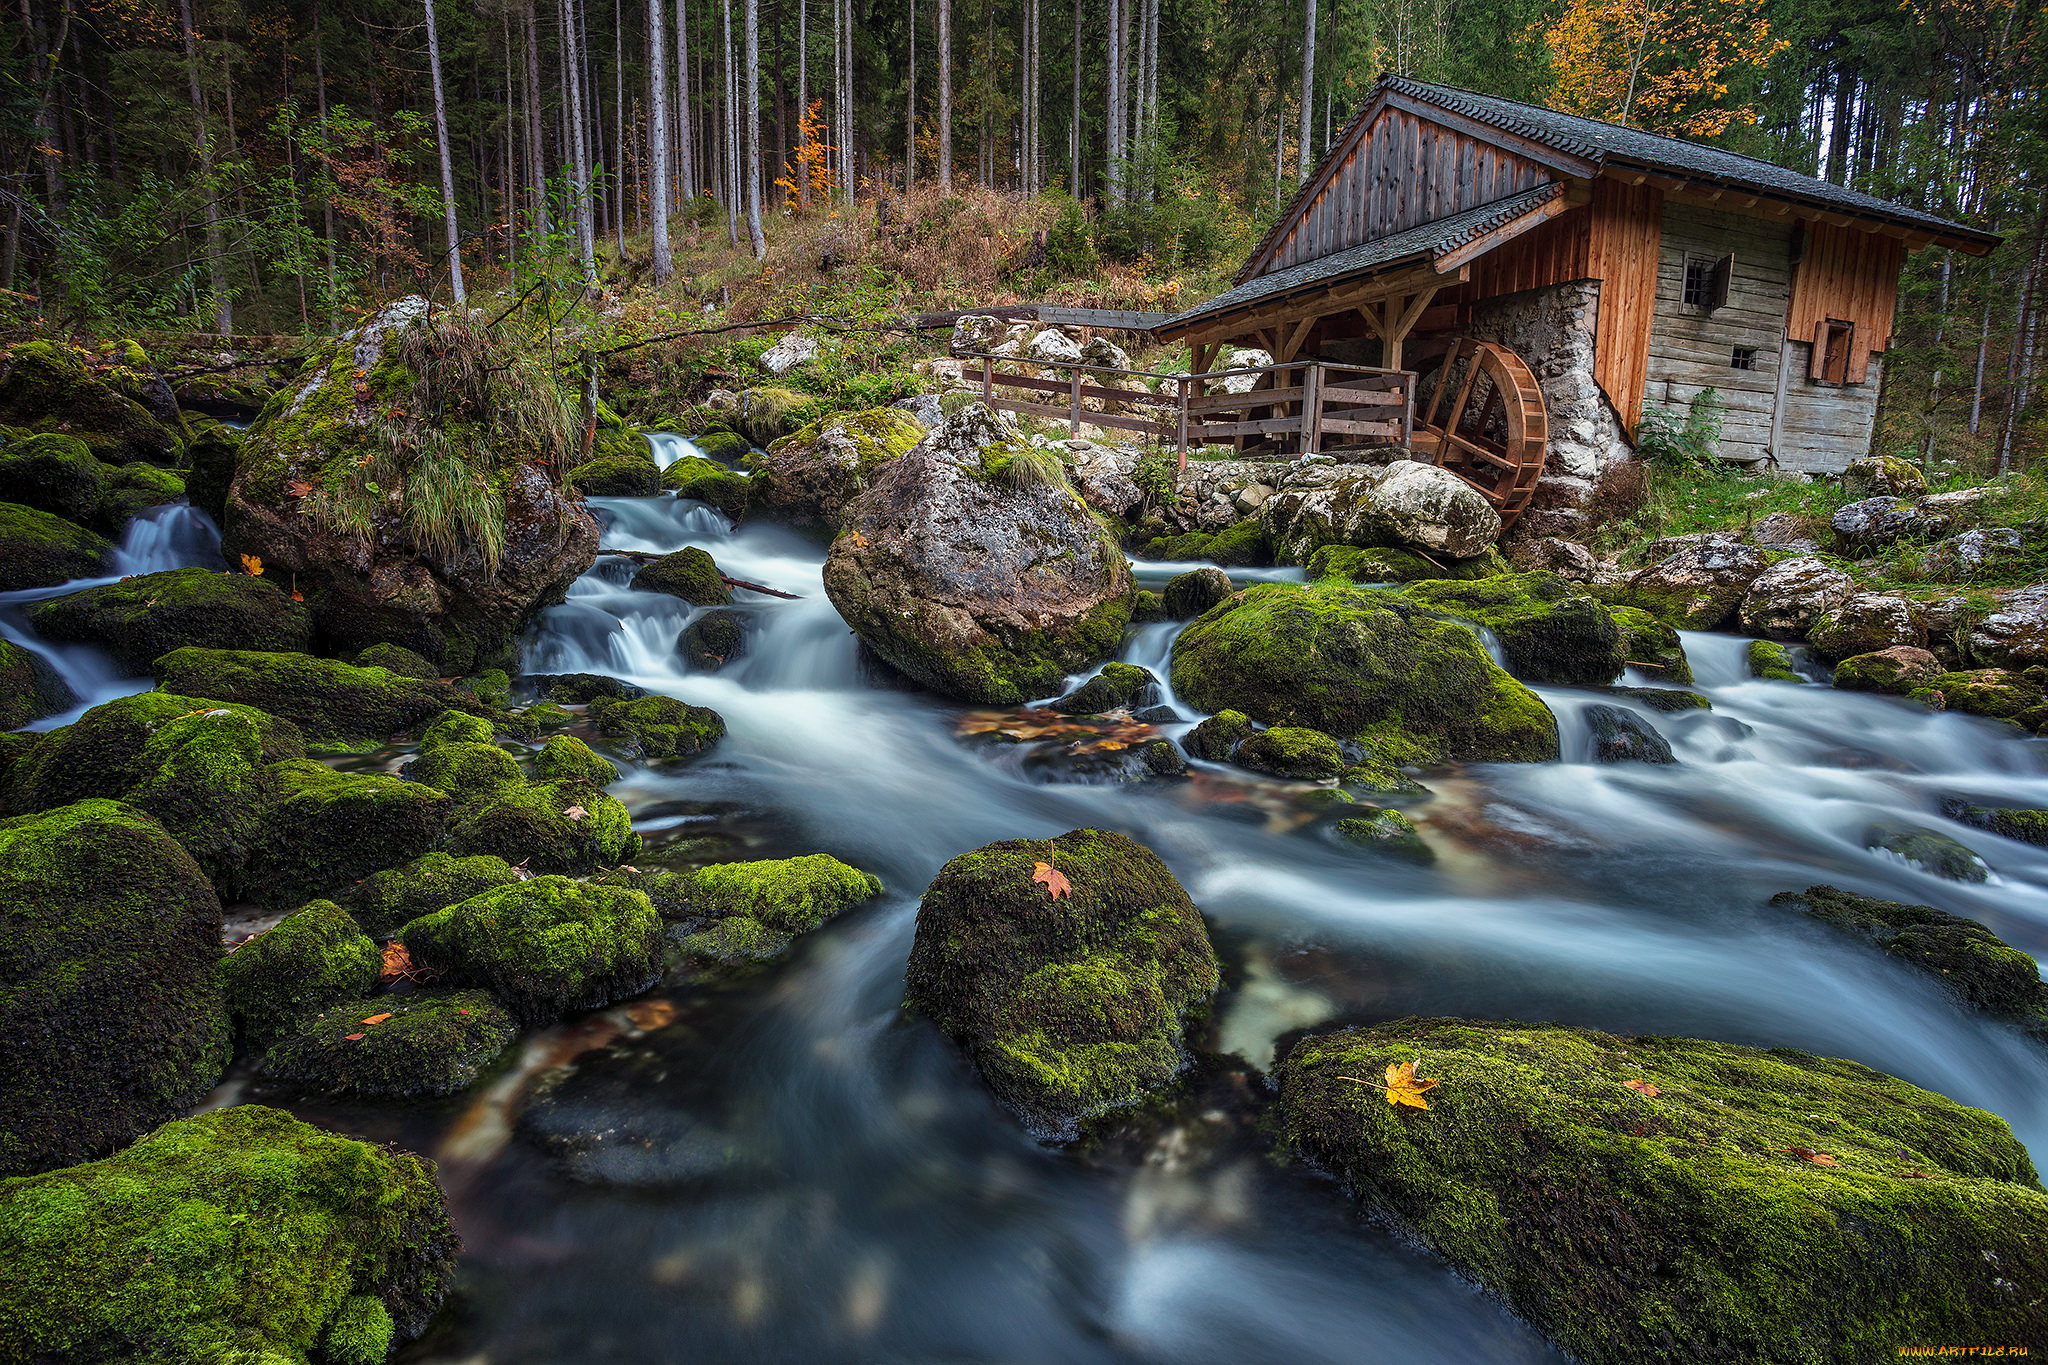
[175,536]
[668,448]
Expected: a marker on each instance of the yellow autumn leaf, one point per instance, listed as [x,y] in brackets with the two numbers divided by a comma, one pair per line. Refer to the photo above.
[253,564]
[1403,1085]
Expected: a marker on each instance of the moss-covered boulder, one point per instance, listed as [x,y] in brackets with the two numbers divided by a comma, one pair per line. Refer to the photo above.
[1699,585]
[2026,826]
[325,829]
[137,620]
[1386,832]
[658,727]
[428,1043]
[1549,631]
[106,752]
[238,393]
[714,639]
[1772,662]
[204,778]
[690,574]
[54,474]
[1668,1199]
[1360,664]
[468,772]
[1408,504]
[1072,1005]
[46,386]
[1651,645]
[29,687]
[1239,545]
[336,704]
[1927,849]
[1863,624]
[1392,564]
[560,826]
[1897,670]
[617,476]
[722,444]
[397,659]
[974,581]
[545,946]
[1971,962]
[385,902]
[1190,594]
[565,757]
[239,1235]
[809,478]
[210,457]
[1997,693]
[707,481]
[38,550]
[133,489]
[1116,685]
[743,912]
[409,482]
[312,959]
[767,414]
[110,994]
[1621,736]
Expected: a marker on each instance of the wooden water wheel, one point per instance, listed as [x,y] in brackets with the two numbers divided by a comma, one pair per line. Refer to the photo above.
[1480,414]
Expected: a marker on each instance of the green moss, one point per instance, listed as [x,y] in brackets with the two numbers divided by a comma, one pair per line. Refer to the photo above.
[546,715]
[1969,960]
[2027,826]
[617,476]
[1772,662]
[110,1000]
[467,772]
[1929,850]
[492,687]
[733,942]
[561,826]
[808,478]
[767,414]
[133,489]
[1994,692]
[658,727]
[1549,632]
[1388,832]
[399,660]
[704,481]
[386,901]
[714,639]
[1291,751]
[1390,564]
[311,960]
[456,727]
[788,895]
[48,387]
[1652,646]
[1241,544]
[1667,700]
[140,619]
[722,444]
[690,574]
[1072,1006]
[433,1043]
[327,829]
[545,946]
[336,705]
[210,457]
[105,751]
[38,550]
[29,688]
[566,758]
[203,778]
[1684,1225]
[1118,684]
[54,474]
[1359,664]
[1216,739]
[239,1235]
[1147,605]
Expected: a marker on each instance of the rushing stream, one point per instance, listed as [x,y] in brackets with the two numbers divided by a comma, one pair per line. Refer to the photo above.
[792,1169]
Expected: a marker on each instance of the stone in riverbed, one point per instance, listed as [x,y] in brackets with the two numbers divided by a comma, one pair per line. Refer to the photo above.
[689,573]
[811,477]
[1548,632]
[1698,586]
[1070,1007]
[1863,624]
[432,1043]
[1929,850]
[1116,685]
[1786,599]
[314,958]
[1647,643]
[54,474]
[659,728]
[140,619]
[1621,736]
[1642,1198]
[1388,832]
[29,687]
[1996,693]
[38,550]
[707,481]
[713,640]
[2027,826]
[1897,670]
[1190,594]
[2015,635]
[1772,662]
[335,704]
[47,386]
[753,911]
[325,829]
[387,901]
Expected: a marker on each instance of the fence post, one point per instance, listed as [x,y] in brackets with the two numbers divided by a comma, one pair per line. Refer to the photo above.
[988,392]
[1408,378]
[1074,398]
[1181,385]
[1311,407]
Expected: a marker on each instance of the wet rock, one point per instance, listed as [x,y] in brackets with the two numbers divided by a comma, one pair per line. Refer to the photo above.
[1621,736]
[795,348]
[241,1234]
[325,829]
[1969,961]
[621,466]
[429,1043]
[1648,644]
[659,728]
[1667,700]
[2016,634]
[140,619]
[1548,633]
[1238,544]
[38,550]
[689,573]
[54,474]
[1362,665]
[1386,832]
[48,387]
[1390,564]
[810,478]
[720,445]
[974,333]
[1072,1006]
[239,394]
[1783,531]
[1929,850]
[1290,751]
[1785,600]
[355,489]
[384,902]
[1876,522]
[978,583]
[1973,555]
[396,659]
[1190,594]
[732,913]
[544,947]
[1698,586]
[565,825]
[112,1009]
[314,958]
[335,704]
[1772,662]
[1882,475]
[1995,693]
[1863,624]
[1897,670]
[2026,826]
[580,688]
[1116,685]
[1403,504]
[701,480]
[1536,1150]
[133,489]
[713,640]
[29,687]
[1567,559]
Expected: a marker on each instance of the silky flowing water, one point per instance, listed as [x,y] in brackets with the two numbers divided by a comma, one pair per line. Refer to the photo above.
[792,1169]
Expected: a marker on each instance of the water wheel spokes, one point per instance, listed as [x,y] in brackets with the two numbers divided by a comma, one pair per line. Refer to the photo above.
[1493,434]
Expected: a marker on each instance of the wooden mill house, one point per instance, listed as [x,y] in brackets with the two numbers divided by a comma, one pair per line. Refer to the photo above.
[1545,276]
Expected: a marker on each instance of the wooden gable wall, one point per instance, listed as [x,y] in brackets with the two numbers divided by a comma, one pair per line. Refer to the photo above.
[1398,172]
[1847,275]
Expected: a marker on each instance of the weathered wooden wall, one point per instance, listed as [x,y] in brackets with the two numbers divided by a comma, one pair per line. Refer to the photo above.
[1852,276]
[1399,172]
[1626,227]
[1822,427]
[1692,348]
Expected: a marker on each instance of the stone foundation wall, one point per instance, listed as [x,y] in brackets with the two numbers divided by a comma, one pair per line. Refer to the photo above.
[1552,329]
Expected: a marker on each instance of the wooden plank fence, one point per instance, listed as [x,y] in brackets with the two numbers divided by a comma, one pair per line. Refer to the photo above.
[1319,404]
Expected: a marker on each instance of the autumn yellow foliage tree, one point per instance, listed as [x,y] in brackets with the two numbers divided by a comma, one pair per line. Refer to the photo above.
[1660,65]
[810,178]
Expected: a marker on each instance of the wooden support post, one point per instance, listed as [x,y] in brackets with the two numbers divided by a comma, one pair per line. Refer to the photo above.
[987,380]
[1074,406]
[1408,411]
[1182,387]
[1311,408]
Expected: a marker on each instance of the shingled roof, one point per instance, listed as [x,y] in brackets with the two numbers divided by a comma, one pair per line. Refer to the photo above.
[1611,146]
[1430,239]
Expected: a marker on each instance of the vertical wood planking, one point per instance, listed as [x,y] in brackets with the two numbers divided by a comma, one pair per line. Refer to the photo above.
[1626,228]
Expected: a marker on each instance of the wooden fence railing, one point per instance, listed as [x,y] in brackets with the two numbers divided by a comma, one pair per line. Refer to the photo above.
[1316,403]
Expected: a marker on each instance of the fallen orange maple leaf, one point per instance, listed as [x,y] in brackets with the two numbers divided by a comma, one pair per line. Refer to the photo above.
[1403,1085]
[351,1037]
[1817,1158]
[253,564]
[1056,883]
[1642,1087]
[377,1018]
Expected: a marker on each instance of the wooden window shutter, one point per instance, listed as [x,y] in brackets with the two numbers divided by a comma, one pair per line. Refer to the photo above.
[1833,353]
[1717,286]
[1817,365]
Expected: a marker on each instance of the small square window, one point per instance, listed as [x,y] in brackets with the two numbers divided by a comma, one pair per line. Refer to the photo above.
[1699,279]
[1744,358]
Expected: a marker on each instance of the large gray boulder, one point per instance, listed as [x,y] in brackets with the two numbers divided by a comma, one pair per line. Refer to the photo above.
[1876,522]
[1786,599]
[1700,584]
[1403,504]
[2015,635]
[972,567]
[808,477]
[975,332]
[1971,555]
[1864,624]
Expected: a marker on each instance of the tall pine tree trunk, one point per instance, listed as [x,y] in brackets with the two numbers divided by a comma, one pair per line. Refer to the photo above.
[732,135]
[216,262]
[687,125]
[536,133]
[1308,88]
[945,96]
[754,235]
[910,110]
[657,140]
[1074,117]
[447,166]
[1113,97]
[578,140]
[327,193]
